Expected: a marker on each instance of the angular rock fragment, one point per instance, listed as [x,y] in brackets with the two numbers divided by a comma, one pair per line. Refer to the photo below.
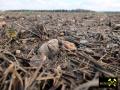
[49,49]
[73,40]
[68,45]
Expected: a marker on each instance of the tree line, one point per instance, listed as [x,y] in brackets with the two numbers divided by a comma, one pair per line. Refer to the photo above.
[60,10]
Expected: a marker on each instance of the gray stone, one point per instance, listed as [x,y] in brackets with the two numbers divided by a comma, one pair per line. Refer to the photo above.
[83,41]
[50,48]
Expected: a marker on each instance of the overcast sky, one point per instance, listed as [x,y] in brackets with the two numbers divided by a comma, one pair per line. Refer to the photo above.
[97,5]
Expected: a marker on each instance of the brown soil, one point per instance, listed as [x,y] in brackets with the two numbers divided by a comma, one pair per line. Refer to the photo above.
[96,36]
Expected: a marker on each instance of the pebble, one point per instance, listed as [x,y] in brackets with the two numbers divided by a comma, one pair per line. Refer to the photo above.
[83,41]
[61,34]
[18,51]
[70,46]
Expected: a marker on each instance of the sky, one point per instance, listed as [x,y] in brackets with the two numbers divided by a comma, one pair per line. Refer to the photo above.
[96,5]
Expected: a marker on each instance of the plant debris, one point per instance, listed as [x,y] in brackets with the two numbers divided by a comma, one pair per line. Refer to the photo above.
[58,51]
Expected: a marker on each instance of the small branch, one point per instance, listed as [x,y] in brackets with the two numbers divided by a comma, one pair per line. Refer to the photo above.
[86,86]
[97,64]
[33,78]
[27,29]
